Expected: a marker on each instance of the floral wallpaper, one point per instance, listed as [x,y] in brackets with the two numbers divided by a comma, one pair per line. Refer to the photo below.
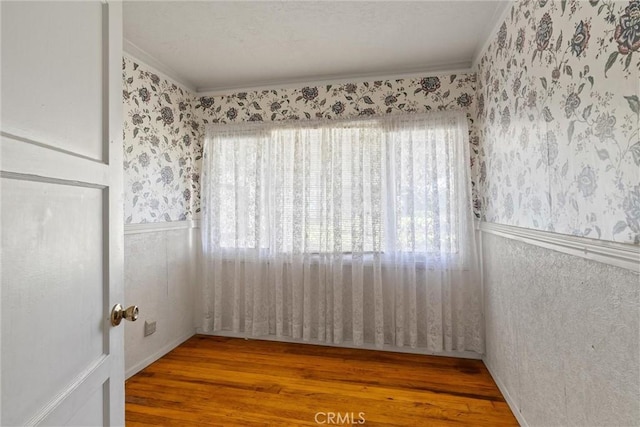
[336,101]
[559,118]
[164,127]
[554,114]
[162,148]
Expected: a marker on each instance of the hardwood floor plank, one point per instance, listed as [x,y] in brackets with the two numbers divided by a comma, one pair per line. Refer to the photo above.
[227,381]
[373,372]
[245,383]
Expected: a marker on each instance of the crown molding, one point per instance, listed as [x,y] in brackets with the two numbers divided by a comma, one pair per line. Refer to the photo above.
[623,255]
[139,55]
[135,53]
[155,227]
[461,67]
[499,16]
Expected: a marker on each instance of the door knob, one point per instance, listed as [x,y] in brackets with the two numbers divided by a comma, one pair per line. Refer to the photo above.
[118,313]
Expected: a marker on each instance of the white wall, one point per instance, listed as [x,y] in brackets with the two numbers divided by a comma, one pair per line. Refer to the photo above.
[161,142]
[159,278]
[562,335]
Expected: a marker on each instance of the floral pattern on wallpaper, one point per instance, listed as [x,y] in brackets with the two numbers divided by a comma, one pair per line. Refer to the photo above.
[162,146]
[337,101]
[559,116]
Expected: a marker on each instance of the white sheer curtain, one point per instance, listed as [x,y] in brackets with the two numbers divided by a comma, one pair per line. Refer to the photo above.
[354,231]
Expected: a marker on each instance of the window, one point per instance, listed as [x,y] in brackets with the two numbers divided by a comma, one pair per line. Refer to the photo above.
[394,186]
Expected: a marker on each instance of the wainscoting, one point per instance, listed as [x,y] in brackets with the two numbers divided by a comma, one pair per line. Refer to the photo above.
[562,317]
[562,330]
[160,276]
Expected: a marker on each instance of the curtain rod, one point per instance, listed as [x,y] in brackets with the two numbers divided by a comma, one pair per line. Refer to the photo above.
[311,123]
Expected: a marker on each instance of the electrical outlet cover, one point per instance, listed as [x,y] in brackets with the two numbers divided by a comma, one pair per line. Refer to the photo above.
[149,328]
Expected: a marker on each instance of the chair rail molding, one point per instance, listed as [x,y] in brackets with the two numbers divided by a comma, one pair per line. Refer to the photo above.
[154,227]
[623,255]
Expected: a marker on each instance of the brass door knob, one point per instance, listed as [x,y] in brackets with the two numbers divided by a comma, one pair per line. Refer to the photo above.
[118,313]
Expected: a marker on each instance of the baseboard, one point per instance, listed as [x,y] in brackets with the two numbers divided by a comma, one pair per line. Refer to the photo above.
[458,354]
[157,355]
[507,397]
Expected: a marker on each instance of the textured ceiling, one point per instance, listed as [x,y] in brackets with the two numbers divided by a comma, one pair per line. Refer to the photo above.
[230,45]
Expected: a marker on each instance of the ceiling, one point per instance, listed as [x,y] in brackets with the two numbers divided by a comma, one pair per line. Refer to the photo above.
[217,46]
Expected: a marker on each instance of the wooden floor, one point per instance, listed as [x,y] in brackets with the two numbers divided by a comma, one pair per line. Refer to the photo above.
[235,382]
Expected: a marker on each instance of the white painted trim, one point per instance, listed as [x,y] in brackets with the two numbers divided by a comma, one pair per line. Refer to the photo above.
[157,355]
[463,67]
[27,158]
[480,254]
[147,60]
[623,255]
[73,396]
[389,348]
[1,240]
[114,242]
[507,397]
[501,14]
[154,227]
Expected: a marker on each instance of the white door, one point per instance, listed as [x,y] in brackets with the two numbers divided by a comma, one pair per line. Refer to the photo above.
[61,213]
